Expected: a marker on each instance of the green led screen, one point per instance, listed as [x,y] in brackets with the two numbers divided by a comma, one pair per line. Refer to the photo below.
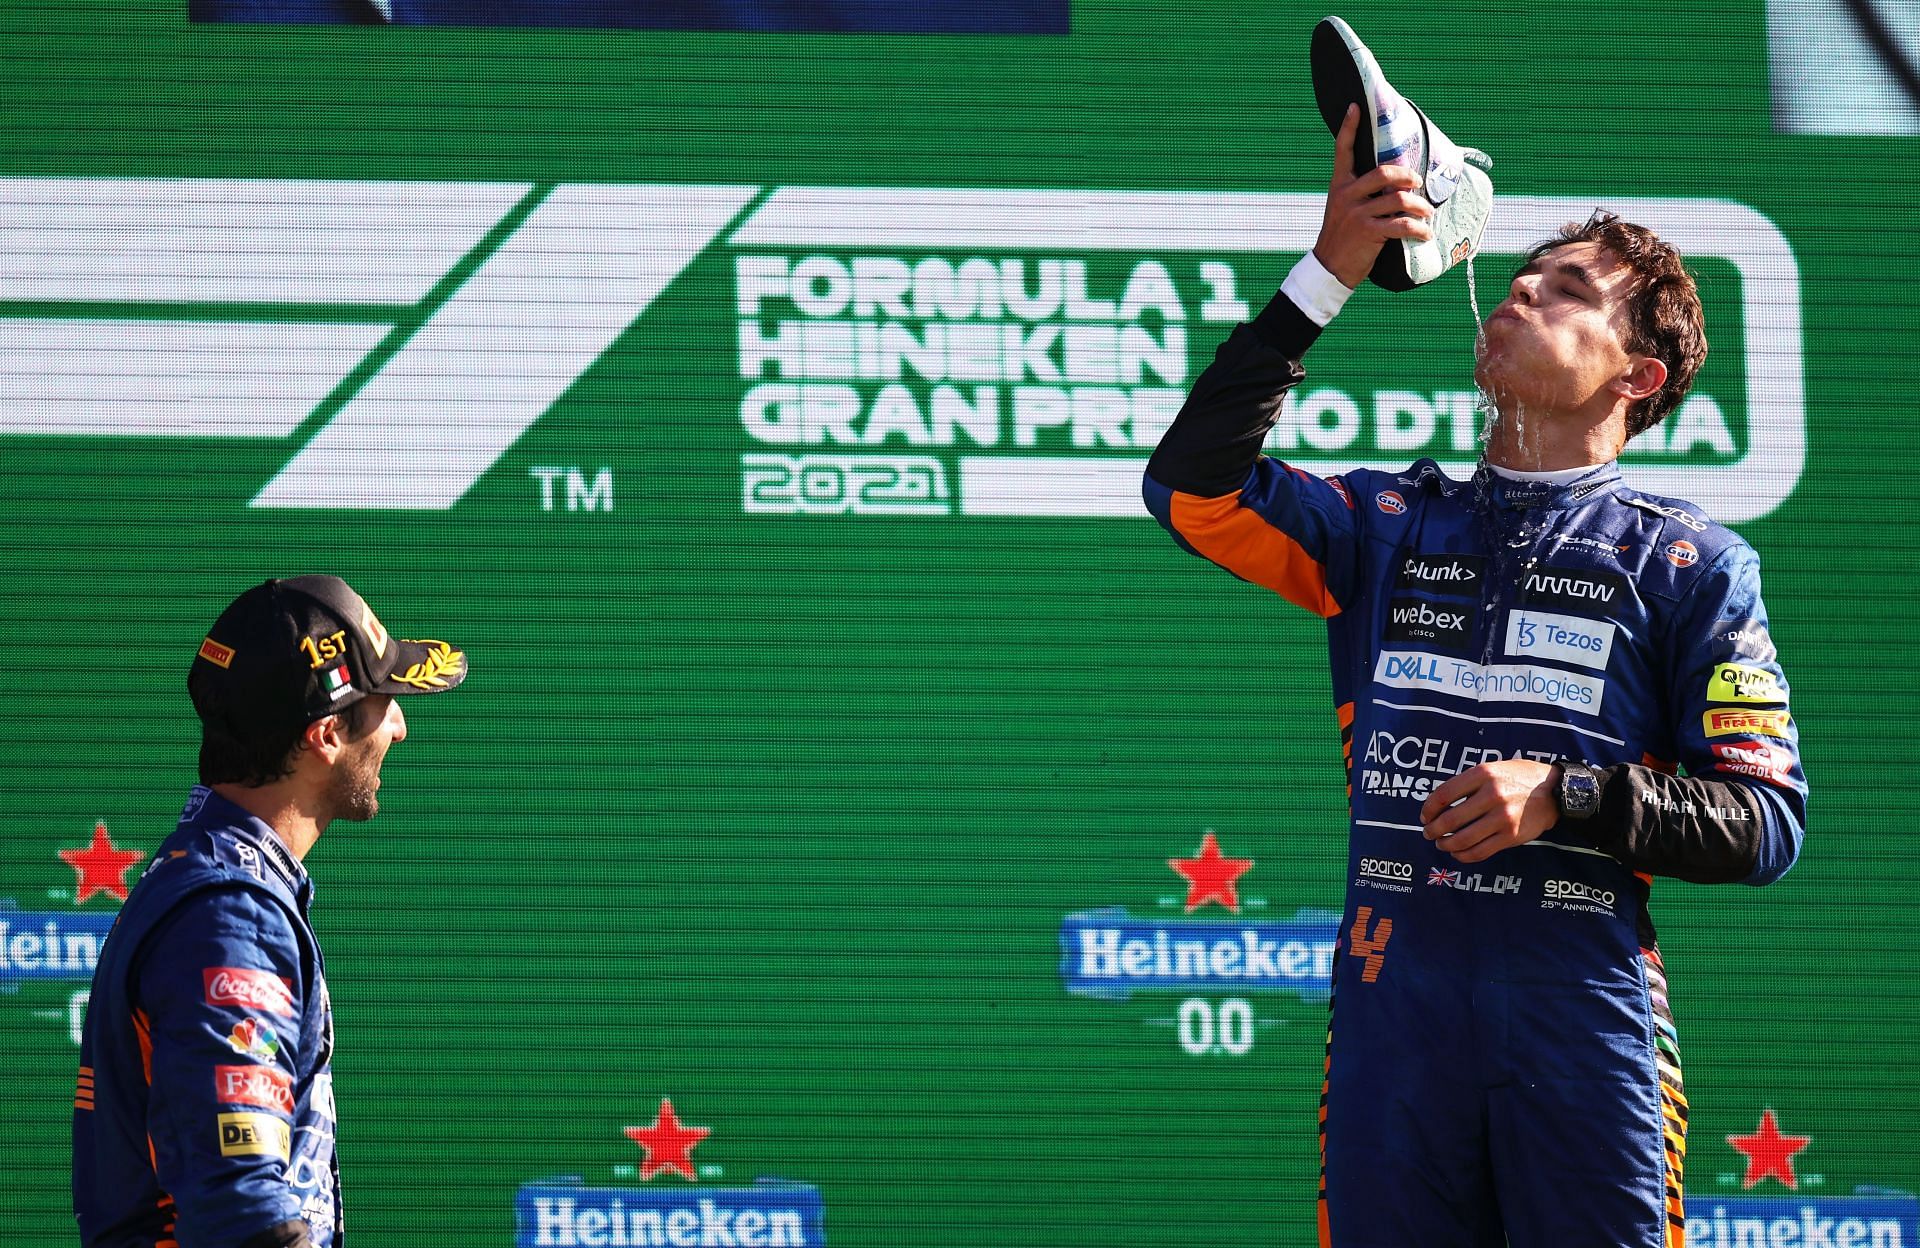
[764,415]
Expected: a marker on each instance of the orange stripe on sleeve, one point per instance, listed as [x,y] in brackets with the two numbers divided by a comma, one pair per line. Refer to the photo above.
[1247,546]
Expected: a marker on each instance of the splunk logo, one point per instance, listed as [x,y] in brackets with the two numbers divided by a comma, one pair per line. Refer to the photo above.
[895,351]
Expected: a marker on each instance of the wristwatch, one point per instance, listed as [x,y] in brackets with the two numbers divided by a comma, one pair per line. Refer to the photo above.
[1579,790]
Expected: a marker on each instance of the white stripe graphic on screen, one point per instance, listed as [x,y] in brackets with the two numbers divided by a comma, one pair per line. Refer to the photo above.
[942,217]
[1169,221]
[1009,485]
[171,378]
[140,240]
[490,362]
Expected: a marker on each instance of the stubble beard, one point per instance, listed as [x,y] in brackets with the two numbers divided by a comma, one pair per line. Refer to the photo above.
[354,791]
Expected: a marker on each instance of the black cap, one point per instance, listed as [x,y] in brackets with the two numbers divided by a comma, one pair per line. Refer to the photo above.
[288,652]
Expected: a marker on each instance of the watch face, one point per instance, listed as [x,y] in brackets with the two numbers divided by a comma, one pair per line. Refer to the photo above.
[1579,791]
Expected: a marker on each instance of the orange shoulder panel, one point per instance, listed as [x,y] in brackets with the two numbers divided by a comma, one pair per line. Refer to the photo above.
[1241,542]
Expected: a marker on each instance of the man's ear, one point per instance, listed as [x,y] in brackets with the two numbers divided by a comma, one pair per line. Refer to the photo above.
[1643,377]
[326,737]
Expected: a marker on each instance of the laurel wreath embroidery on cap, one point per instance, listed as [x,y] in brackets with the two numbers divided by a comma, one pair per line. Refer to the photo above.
[431,672]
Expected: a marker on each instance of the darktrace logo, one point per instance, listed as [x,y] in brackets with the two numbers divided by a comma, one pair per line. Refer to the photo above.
[59,948]
[1743,639]
[1210,961]
[569,1213]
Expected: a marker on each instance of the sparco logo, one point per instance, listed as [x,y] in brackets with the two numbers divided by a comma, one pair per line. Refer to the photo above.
[248,989]
[1459,575]
[1564,587]
[1573,890]
[1386,869]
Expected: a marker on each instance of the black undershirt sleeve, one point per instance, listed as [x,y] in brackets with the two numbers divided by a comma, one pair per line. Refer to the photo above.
[1213,442]
[1687,828]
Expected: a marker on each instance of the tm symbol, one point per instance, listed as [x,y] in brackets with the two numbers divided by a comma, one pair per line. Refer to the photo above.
[579,493]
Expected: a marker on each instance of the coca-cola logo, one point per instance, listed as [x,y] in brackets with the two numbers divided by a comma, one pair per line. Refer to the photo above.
[245,988]
[253,1085]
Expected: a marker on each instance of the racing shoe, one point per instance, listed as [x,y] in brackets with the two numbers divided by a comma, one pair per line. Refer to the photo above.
[1393,130]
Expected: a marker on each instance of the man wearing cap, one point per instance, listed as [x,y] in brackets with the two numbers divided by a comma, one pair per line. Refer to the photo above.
[205,1114]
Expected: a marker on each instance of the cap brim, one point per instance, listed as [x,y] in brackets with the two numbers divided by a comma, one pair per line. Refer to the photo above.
[423,667]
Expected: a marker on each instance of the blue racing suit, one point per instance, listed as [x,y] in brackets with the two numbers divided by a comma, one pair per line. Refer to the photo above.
[205,1113]
[1502,1065]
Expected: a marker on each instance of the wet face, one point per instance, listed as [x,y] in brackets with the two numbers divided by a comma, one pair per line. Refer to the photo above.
[354,784]
[1556,342]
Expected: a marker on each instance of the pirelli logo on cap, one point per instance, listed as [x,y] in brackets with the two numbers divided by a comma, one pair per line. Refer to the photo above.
[375,631]
[1728,723]
[216,654]
[255,1135]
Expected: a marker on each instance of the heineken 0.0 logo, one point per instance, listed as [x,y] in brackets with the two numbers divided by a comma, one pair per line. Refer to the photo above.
[892,351]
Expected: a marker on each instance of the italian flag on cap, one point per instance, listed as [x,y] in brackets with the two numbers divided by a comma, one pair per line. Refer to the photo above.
[339,680]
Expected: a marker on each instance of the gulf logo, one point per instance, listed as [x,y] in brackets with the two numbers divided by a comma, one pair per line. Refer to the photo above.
[1391,503]
[1683,554]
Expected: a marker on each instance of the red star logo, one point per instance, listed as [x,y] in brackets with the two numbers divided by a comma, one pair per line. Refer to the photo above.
[101,867]
[668,1143]
[1769,1153]
[1210,877]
